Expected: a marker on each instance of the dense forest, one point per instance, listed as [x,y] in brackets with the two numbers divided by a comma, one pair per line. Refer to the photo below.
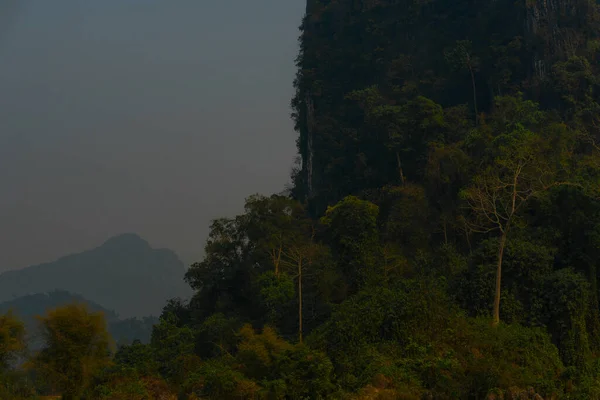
[440,239]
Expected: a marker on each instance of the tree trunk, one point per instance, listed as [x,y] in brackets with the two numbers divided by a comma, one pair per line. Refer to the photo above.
[277,261]
[300,302]
[400,168]
[499,279]
[474,94]
[593,322]
[308,156]
[445,232]
[467,237]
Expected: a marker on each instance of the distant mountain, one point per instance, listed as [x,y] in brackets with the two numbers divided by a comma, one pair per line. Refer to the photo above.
[30,306]
[27,307]
[124,274]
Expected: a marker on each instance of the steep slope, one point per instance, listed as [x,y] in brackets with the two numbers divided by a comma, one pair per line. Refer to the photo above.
[456,53]
[124,274]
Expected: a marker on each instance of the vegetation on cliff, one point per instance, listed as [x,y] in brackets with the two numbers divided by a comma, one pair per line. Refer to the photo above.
[441,240]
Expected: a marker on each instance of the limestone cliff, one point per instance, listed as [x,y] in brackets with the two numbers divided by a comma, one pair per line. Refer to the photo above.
[402,47]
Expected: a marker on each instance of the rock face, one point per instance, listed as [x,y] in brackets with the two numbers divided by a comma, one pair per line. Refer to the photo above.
[401,47]
[124,274]
[557,29]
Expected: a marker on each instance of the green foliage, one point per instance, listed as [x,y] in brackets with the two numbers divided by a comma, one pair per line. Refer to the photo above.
[171,344]
[137,356]
[526,264]
[263,366]
[404,216]
[566,303]
[352,229]
[306,373]
[412,312]
[217,335]
[512,355]
[276,293]
[12,339]
[216,379]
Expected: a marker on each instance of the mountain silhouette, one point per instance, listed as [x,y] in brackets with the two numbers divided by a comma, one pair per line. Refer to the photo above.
[28,307]
[124,274]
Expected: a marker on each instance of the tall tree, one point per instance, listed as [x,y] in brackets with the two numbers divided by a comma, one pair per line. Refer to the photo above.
[354,238]
[523,165]
[12,339]
[300,257]
[76,347]
[272,223]
[460,57]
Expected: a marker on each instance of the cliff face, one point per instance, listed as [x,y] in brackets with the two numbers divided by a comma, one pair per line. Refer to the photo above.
[403,47]
[558,29]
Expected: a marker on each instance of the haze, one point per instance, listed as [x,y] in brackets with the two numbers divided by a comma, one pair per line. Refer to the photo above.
[142,116]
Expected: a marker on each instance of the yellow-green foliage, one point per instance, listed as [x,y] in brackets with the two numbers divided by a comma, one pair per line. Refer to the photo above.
[133,387]
[258,352]
[76,348]
[219,379]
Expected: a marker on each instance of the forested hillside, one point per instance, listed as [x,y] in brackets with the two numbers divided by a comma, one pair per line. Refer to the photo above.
[442,236]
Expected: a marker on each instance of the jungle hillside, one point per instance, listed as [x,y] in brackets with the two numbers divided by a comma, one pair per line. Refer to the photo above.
[440,238]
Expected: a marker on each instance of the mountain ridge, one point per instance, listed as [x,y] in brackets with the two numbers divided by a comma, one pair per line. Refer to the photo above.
[29,307]
[124,274]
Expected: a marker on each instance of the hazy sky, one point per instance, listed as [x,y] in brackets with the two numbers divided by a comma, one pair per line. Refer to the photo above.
[145,116]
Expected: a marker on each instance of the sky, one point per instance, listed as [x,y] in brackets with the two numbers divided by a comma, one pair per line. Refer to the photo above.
[145,116]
